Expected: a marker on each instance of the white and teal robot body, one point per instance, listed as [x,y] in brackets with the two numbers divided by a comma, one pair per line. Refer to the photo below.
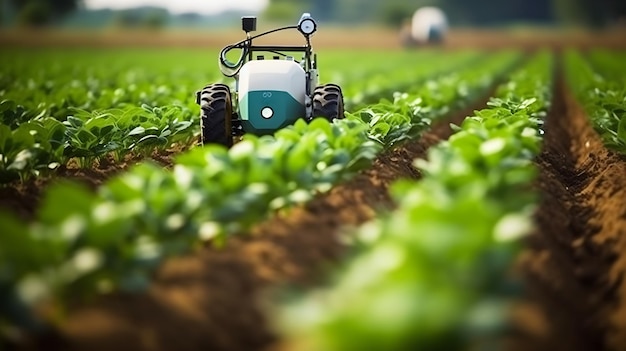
[272,91]
[272,94]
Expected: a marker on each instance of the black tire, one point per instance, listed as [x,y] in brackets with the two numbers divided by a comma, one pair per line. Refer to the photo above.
[328,102]
[216,111]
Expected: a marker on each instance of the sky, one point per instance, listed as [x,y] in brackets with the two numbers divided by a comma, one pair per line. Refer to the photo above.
[180,6]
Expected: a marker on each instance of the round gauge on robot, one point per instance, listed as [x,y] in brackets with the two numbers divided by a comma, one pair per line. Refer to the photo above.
[307,26]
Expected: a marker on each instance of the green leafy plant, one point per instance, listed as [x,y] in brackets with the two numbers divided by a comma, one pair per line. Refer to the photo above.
[602,96]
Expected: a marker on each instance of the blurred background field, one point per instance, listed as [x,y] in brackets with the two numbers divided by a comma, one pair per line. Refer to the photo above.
[343,23]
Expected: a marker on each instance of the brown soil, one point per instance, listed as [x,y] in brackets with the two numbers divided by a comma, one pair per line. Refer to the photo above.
[574,264]
[23,198]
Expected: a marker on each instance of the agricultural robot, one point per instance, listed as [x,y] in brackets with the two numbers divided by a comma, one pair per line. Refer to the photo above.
[270,92]
[428,26]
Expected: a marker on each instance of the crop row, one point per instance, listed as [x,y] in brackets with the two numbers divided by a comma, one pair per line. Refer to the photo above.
[41,145]
[603,96]
[381,82]
[83,244]
[608,63]
[46,122]
[433,273]
[82,105]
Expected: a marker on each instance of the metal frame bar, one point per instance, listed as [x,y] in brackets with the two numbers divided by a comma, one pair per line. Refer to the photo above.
[302,48]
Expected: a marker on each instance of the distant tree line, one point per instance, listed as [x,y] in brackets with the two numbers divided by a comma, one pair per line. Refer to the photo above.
[149,18]
[596,13]
[36,13]
[42,12]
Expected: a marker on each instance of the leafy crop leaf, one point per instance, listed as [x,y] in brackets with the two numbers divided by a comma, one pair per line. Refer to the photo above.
[77,199]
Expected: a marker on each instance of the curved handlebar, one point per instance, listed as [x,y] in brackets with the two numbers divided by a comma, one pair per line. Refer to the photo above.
[230,69]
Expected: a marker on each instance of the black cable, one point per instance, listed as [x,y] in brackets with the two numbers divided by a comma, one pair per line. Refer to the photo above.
[230,69]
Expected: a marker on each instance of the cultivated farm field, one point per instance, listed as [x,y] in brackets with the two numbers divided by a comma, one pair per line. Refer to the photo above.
[470,199]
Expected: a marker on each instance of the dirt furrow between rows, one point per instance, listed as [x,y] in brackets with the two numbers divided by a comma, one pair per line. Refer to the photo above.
[573,265]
